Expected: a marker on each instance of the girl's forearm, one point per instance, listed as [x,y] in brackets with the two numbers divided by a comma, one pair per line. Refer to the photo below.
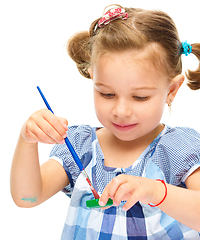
[25,182]
[183,205]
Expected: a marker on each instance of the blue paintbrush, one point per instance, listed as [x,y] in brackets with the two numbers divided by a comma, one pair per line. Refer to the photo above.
[72,151]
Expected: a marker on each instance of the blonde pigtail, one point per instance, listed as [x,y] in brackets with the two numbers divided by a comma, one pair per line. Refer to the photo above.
[78,48]
[194,76]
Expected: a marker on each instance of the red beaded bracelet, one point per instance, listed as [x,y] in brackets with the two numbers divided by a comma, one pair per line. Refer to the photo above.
[151,205]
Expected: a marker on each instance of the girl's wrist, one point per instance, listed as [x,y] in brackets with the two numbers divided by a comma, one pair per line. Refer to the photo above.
[161,190]
[24,141]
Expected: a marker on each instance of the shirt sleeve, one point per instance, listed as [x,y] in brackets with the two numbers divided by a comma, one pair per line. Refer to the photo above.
[178,154]
[81,139]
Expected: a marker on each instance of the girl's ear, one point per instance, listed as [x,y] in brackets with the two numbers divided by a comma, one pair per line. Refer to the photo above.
[174,87]
[90,72]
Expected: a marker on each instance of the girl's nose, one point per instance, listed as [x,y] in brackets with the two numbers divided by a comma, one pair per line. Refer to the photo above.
[122,109]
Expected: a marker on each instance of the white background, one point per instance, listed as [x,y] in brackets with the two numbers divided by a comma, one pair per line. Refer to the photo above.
[33,35]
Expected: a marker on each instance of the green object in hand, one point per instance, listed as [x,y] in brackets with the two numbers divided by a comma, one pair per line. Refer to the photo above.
[94,203]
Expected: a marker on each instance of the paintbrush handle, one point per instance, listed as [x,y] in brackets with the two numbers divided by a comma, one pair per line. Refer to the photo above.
[44,99]
[75,156]
[72,151]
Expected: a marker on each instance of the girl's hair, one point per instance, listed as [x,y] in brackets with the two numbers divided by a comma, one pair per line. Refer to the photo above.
[144,29]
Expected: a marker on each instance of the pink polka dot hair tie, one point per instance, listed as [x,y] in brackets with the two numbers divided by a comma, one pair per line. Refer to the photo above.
[111,15]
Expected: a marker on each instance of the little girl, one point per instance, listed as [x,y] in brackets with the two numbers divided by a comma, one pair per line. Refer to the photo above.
[150,170]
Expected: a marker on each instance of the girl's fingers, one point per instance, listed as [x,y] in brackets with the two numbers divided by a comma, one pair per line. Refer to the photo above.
[35,134]
[122,193]
[132,200]
[130,189]
[111,189]
[48,135]
[45,127]
[59,124]
[105,196]
[30,137]
[64,123]
[48,132]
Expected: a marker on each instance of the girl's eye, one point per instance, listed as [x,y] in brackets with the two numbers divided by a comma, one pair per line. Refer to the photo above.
[140,99]
[107,95]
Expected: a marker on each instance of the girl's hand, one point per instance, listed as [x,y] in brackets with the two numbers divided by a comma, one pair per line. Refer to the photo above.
[43,126]
[132,189]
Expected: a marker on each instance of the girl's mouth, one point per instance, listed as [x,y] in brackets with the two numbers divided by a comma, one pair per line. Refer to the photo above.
[124,127]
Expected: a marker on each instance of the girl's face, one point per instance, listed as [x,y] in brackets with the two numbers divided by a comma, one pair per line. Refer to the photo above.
[129,95]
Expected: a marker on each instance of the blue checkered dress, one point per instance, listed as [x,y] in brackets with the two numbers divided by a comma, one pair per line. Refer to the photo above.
[172,156]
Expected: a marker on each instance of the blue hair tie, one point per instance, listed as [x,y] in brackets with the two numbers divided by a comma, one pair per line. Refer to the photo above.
[186,48]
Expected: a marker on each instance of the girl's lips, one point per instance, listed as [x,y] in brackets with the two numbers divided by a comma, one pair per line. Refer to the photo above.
[124,127]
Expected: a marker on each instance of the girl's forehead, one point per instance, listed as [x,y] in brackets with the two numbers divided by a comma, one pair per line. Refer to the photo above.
[127,62]
[152,58]
[127,68]
[123,69]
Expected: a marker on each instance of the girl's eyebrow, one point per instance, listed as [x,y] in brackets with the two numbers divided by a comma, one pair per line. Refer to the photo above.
[144,88]
[134,88]
[100,84]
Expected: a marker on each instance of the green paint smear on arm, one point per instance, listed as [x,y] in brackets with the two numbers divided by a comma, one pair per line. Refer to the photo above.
[32,200]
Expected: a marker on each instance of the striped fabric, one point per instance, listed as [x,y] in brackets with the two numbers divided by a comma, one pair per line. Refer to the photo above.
[172,156]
